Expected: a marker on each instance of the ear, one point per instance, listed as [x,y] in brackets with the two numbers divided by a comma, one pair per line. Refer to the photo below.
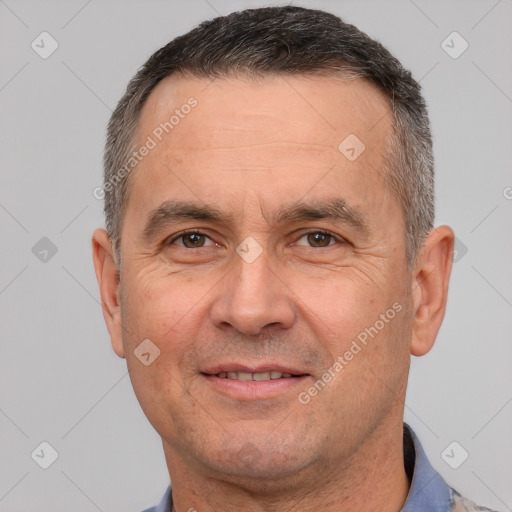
[108,280]
[430,288]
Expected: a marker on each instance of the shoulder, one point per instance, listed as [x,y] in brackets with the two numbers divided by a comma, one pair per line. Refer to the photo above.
[461,504]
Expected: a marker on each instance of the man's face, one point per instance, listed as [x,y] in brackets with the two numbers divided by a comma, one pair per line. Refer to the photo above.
[304,253]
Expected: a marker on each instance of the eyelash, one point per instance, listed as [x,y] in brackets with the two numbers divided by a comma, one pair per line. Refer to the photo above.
[320,231]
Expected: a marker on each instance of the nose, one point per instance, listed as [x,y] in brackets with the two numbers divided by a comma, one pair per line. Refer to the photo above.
[252,297]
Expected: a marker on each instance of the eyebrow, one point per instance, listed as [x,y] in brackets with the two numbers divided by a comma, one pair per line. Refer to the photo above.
[172,211]
[336,209]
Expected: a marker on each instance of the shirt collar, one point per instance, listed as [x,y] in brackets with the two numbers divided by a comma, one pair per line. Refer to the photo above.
[428,491]
[165,504]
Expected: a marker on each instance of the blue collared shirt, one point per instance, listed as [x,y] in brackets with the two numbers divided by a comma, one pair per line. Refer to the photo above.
[428,491]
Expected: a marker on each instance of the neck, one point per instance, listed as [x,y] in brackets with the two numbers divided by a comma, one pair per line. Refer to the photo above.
[372,478]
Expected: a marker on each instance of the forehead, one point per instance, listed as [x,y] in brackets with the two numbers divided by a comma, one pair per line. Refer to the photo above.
[322,109]
[279,131]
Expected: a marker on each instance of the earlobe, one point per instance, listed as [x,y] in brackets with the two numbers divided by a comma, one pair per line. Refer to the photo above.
[430,288]
[108,281]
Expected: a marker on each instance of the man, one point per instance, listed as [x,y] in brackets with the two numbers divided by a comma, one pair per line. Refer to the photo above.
[270,263]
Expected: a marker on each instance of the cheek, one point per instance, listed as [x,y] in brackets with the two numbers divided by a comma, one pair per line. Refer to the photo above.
[162,306]
[161,395]
[365,323]
[344,302]
[370,353]
[161,317]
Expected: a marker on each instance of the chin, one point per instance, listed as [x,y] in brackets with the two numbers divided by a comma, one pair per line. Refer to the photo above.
[262,463]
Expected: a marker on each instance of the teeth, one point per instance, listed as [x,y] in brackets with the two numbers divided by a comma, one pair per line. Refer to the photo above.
[261,376]
[246,376]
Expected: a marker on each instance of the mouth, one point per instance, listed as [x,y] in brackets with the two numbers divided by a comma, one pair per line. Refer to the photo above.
[255,376]
[243,383]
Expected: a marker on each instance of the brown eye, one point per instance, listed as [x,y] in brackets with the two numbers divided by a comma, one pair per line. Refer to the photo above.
[317,239]
[192,240]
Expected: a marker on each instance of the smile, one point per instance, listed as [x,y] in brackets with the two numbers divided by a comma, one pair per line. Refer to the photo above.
[259,376]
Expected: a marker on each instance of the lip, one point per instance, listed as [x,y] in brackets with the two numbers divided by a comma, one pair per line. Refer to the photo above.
[254,390]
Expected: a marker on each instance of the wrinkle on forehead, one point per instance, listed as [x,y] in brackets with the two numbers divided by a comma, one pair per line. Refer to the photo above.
[239,126]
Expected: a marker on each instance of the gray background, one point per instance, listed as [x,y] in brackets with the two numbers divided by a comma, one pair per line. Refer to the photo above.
[60,382]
